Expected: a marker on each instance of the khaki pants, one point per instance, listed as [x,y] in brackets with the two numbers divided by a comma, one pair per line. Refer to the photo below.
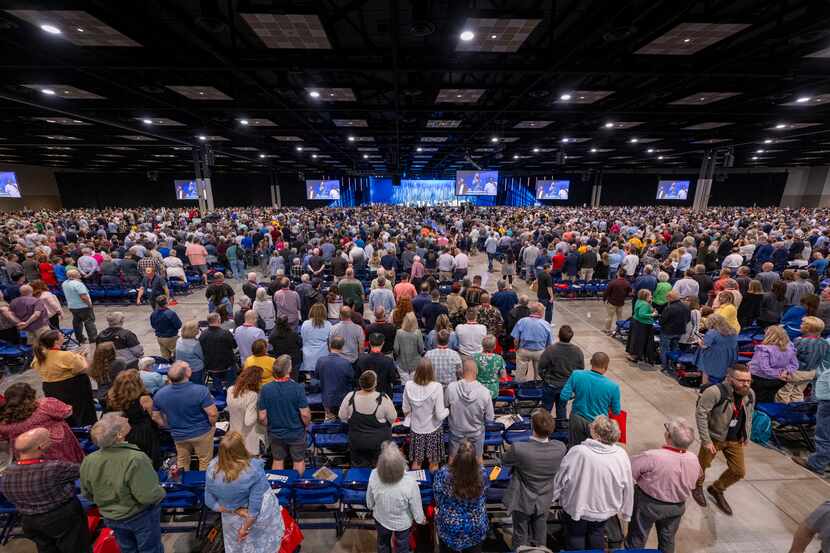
[527,363]
[445,275]
[586,274]
[614,314]
[202,446]
[735,467]
[167,346]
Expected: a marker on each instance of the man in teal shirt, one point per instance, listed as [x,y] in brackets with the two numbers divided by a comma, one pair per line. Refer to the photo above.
[593,394]
[80,305]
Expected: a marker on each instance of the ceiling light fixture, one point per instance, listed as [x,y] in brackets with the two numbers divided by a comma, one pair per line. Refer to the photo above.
[494,139]
[202,137]
[535,150]
[314,156]
[314,94]
[686,40]
[759,151]
[79,29]
[48,91]
[754,158]
[147,121]
[299,148]
[261,156]
[51,29]
[659,157]
[365,156]
[650,151]
[467,36]
[803,99]
[351,138]
[565,97]
[768,141]
[494,37]
[609,125]
[634,140]
[244,122]
[419,149]
[566,139]
[515,156]
[593,150]
[781,126]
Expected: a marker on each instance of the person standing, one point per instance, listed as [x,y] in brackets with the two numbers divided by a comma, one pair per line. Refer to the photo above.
[593,394]
[370,415]
[120,480]
[166,324]
[614,296]
[459,488]
[188,411]
[544,291]
[593,484]
[80,305]
[724,421]
[673,320]
[288,304]
[811,350]
[336,377]
[471,407]
[283,409]
[43,491]
[532,335]
[530,492]
[556,364]
[664,477]
[817,523]
[470,334]
[218,349]
[395,500]
[247,334]
[351,333]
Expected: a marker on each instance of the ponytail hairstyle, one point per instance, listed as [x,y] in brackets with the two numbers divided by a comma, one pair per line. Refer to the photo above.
[44,342]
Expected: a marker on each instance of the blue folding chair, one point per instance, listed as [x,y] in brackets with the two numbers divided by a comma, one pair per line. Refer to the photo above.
[282,482]
[799,416]
[330,440]
[320,496]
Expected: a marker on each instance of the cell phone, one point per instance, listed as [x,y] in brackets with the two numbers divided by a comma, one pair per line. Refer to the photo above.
[494,474]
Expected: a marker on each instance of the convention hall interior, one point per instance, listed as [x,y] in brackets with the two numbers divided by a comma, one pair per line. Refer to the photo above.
[457,276]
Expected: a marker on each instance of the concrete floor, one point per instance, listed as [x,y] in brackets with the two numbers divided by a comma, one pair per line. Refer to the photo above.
[769,503]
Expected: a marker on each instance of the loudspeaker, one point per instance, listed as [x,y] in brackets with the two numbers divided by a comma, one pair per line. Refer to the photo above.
[396,180]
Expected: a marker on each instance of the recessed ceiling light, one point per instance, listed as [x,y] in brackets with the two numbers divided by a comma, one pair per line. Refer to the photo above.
[314,156]
[51,29]
[803,99]
[201,93]
[494,37]
[781,126]
[299,148]
[759,151]
[244,122]
[419,149]
[593,150]
[459,95]
[79,29]
[565,97]
[494,139]
[609,125]
[147,121]
[50,120]
[659,157]
[686,40]
[261,155]
[202,137]
[650,150]
[48,91]
[365,156]
[566,139]
[702,99]
[535,150]
[467,36]
[634,140]
[754,157]
[351,138]
[314,94]
[515,156]
[768,141]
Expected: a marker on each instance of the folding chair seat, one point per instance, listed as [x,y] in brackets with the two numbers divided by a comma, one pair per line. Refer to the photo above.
[800,416]
[310,492]
[282,482]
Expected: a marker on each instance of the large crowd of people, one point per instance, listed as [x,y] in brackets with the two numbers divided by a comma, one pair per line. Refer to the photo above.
[356,303]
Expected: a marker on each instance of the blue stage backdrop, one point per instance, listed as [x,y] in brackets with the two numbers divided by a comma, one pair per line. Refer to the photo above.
[516,191]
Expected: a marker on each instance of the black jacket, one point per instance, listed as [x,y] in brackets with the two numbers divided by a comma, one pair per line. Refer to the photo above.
[217,346]
[674,318]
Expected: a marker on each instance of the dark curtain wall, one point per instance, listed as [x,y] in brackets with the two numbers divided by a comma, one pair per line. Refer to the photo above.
[748,189]
[136,190]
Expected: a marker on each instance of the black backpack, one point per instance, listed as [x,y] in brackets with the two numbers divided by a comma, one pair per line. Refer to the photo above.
[213,540]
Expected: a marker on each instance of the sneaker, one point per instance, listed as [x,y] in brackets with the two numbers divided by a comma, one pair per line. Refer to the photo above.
[720,500]
[699,497]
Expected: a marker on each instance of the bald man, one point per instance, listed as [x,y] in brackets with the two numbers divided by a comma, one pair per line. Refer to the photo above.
[43,490]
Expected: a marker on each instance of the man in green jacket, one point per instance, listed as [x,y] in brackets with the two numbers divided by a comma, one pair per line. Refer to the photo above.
[119,478]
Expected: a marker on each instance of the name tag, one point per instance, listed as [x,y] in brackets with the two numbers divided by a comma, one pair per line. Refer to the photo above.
[733,423]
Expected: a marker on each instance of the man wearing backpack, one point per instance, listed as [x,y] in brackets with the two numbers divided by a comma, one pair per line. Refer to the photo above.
[724,419]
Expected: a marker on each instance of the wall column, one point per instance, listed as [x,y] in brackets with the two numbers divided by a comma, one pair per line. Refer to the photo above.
[807,187]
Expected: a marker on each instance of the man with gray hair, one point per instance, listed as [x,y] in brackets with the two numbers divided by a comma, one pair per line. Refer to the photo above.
[30,311]
[189,412]
[532,335]
[665,478]
[119,478]
[127,346]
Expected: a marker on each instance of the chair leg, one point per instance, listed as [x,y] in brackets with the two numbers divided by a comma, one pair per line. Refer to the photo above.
[808,441]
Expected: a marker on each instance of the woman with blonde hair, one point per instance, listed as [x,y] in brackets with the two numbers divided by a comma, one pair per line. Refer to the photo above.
[242,408]
[772,362]
[264,307]
[237,487]
[128,395]
[408,347]
[725,307]
[718,349]
[315,334]
[189,349]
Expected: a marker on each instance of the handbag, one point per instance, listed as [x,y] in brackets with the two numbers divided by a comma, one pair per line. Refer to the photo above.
[292,536]
[622,420]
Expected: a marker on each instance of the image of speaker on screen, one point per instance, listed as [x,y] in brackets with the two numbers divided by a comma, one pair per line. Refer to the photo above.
[552,189]
[322,189]
[476,183]
[8,185]
[186,190]
[672,190]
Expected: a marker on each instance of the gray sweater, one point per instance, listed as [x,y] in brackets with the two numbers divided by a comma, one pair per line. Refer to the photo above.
[409,347]
[714,413]
[470,407]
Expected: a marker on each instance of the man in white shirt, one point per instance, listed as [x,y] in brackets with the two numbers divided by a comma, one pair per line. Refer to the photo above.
[446,265]
[462,263]
[687,287]
[470,334]
[733,260]
[529,255]
[381,296]
[630,261]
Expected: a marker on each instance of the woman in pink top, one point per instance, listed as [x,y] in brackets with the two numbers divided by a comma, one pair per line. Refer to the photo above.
[22,412]
[197,255]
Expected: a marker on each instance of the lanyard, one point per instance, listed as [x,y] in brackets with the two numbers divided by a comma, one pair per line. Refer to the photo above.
[31,461]
[736,409]
[675,449]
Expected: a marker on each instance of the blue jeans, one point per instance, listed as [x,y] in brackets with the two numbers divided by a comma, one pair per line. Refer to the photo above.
[550,396]
[222,379]
[237,267]
[668,344]
[140,533]
[819,460]
[490,258]
[387,536]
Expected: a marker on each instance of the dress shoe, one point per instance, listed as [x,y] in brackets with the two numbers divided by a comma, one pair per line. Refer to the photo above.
[698,496]
[720,500]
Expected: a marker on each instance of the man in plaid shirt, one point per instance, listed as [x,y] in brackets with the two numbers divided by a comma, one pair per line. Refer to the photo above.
[43,490]
[445,361]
